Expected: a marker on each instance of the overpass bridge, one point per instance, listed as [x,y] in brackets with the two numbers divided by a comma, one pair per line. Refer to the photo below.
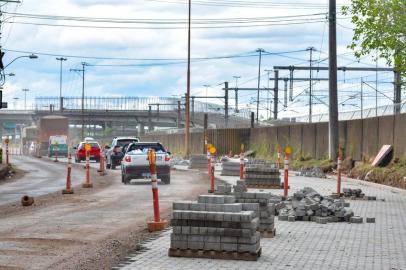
[121,115]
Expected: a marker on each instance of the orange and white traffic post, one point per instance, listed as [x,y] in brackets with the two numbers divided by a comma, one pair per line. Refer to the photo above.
[7,141]
[102,169]
[87,183]
[288,151]
[279,157]
[68,189]
[242,162]
[339,161]
[56,148]
[212,152]
[157,224]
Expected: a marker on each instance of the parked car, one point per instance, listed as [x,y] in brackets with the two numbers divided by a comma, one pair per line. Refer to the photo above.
[58,145]
[80,152]
[115,152]
[135,163]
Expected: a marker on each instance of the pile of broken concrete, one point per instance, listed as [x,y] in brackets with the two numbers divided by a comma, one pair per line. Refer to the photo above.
[309,205]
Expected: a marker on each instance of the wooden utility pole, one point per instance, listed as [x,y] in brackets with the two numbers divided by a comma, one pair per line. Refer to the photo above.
[187,105]
[332,85]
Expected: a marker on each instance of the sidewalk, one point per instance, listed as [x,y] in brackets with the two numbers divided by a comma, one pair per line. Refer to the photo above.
[308,245]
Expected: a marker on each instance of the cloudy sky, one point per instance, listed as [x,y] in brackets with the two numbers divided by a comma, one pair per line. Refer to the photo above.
[139,47]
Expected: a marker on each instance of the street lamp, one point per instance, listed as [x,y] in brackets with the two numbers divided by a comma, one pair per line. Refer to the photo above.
[25,90]
[31,56]
[15,102]
[61,59]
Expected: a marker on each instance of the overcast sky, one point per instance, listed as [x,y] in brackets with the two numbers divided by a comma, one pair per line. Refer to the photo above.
[41,75]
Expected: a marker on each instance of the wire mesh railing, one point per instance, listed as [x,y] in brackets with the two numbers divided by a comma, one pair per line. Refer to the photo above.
[357,114]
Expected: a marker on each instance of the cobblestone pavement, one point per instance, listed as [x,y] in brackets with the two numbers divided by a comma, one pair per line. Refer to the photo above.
[308,245]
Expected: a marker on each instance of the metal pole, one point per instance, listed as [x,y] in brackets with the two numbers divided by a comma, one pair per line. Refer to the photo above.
[61,59]
[276,95]
[311,85]
[236,92]
[259,79]
[362,98]
[226,104]
[83,100]
[187,109]
[333,103]
[285,94]
[376,86]
[398,92]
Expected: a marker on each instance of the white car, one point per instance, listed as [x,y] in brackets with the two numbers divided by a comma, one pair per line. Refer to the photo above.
[135,163]
[115,152]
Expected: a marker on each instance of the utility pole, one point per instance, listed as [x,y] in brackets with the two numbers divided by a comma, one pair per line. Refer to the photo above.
[187,107]
[333,103]
[207,87]
[260,51]
[268,102]
[83,96]
[276,95]
[398,92]
[362,98]
[236,92]
[25,98]
[310,84]
[285,93]
[226,104]
[61,59]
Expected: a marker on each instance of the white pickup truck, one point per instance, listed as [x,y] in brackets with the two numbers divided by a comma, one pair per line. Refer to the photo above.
[135,164]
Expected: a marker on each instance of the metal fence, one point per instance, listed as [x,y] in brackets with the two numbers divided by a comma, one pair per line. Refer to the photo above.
[357,114]
[131,104]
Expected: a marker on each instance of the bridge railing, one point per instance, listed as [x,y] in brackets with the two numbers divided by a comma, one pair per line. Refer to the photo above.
[130,104]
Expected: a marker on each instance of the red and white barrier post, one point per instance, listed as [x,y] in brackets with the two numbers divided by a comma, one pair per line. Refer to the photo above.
[279,157]
[286,176]
[242,163]
[339,161]
[212,165]
[157,224]
[68,189]
[88,183]
[102,169]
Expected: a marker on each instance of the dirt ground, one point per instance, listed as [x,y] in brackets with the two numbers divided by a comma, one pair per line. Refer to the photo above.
[91,229]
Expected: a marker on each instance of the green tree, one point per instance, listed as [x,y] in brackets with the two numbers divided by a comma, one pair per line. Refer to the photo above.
[380,26]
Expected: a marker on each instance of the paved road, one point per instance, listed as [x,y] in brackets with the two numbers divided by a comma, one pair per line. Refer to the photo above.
[307,245]
[42,177]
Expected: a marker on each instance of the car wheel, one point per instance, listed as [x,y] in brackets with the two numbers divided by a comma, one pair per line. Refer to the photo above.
[166,179]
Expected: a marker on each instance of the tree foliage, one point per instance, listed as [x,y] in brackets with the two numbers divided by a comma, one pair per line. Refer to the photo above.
[380,26]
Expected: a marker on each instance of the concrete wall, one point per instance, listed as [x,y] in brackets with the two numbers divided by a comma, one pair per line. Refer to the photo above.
[360,138]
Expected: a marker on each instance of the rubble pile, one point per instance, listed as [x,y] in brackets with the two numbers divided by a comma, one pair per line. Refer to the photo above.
[308,205]
[230,167]
[357,193]
[312,172]
[262,175]
[214,223]
[198,162]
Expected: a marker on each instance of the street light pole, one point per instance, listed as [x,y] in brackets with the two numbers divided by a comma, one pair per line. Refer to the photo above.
[187,107]
[207,87]
[25,98]
[61,59]
[83,96]
[260,51]
[268,102]
[236,92]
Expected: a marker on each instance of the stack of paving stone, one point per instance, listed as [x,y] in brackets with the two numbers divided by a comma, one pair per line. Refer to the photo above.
[308,205]
[262,175]
[259,202]
[357,194]
[214,227]
[312,172]
[230,167]
[198,162]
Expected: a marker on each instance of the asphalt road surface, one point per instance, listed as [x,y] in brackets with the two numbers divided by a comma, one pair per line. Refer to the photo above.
[91,229]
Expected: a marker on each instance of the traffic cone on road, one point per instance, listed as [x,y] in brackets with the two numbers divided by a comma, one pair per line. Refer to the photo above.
[87,183]
[102,169]
[68,189]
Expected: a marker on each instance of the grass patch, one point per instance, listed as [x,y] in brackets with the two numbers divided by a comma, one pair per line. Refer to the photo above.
[391,175]
[325,165]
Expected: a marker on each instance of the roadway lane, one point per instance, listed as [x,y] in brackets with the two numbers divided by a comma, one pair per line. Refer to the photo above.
[44,177]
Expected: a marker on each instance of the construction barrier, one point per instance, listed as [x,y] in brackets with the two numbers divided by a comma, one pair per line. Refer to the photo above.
[102,169]
[242,165]
[211,174]
[68,189]
[286,177]
[88,183]
[279,157]
[339,161]
[157,224]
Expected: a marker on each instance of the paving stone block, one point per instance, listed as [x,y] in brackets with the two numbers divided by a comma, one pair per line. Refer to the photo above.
[195,245]
[179,244]
[228,239]
[229,246]
[370,220]
[177,229]
[212,246]
[234,207]
[212,238]
[356,219]
[194,230]
[283,217]
[247,248]
[181,205]
[197,206]
[203,230]
[291,218]
[185,230]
